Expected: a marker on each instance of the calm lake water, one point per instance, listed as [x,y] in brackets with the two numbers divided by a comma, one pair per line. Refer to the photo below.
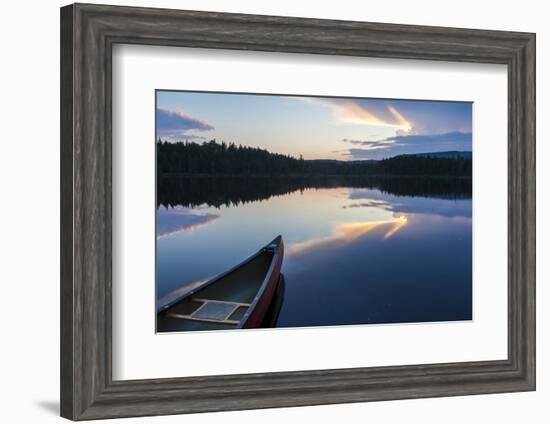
[355,253]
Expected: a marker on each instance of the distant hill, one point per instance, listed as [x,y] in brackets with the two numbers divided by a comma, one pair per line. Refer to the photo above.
[336,161]
[324,161]
[363,161]
[453,154]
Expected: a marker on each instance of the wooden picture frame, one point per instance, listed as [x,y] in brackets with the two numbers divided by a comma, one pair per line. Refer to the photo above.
[88,33]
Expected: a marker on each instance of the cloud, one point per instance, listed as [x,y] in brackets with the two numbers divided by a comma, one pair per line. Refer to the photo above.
[404,124]
[453,136]
[407,144]
[178,125]
[363,112]
[175,120]
[401,117]
[373,145]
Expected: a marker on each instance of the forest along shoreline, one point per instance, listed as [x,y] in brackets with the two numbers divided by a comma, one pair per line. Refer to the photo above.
[190,174]
[219,159]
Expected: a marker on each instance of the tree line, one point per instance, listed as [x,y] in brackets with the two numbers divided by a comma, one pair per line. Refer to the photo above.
[219,159]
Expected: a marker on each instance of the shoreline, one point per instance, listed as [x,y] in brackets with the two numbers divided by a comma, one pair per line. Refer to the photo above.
[186,175]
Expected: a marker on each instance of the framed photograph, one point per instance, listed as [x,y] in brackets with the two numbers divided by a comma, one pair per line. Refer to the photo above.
[398,191]
[265,211]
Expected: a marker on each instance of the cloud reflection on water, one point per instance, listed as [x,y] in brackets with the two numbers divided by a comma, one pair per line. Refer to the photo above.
[171,221]
[441,206]
[351,231]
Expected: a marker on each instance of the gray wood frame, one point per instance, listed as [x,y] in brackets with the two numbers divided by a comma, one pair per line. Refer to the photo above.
[88,33]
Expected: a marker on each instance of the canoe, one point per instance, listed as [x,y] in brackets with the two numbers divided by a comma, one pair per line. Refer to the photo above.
[238,298]
[272,316]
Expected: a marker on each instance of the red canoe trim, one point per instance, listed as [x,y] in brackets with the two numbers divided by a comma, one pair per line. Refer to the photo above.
[259,310]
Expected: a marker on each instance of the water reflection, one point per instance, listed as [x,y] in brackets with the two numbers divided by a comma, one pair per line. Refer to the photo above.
[233,191]
[358,252]
[171,221]
[346,233]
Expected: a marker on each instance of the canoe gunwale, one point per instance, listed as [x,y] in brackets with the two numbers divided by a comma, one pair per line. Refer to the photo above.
[261,291]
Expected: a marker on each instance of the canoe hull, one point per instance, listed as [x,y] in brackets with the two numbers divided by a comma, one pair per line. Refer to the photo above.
[238,298]
[272,317]
[258,314]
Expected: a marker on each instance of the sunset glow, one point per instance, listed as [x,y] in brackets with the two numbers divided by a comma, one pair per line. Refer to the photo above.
[316,127]
[349,232]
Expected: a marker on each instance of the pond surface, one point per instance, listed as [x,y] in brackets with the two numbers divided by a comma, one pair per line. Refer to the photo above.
[386,251]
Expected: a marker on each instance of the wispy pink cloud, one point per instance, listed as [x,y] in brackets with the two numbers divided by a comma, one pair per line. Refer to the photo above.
[355,112]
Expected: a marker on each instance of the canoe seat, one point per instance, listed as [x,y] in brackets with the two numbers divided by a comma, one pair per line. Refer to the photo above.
[213,311]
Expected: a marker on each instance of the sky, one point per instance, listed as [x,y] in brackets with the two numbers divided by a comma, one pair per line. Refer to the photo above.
[316,127]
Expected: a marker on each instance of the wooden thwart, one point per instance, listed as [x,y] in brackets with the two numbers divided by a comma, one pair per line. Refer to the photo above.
[214,321]
[199,299]
[212,311]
